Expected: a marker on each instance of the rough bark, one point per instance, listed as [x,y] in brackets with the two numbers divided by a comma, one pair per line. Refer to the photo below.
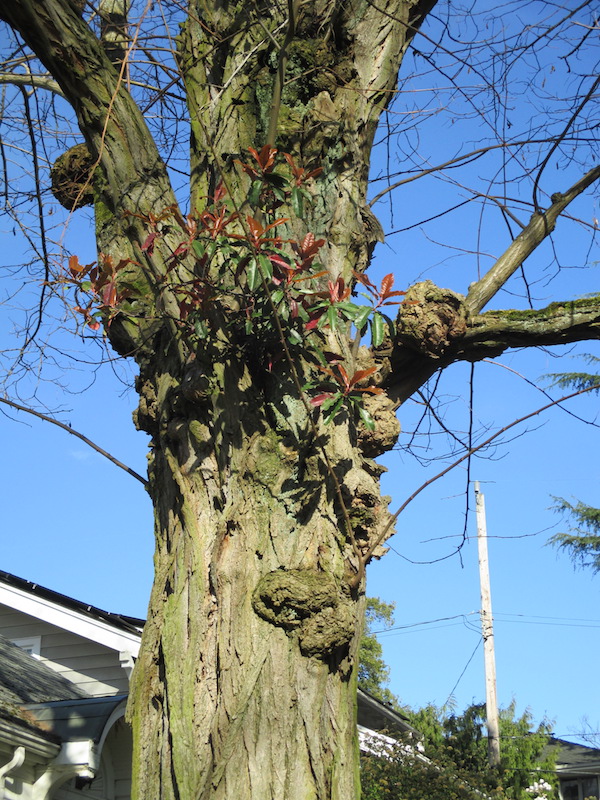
[245,686]
[434,329]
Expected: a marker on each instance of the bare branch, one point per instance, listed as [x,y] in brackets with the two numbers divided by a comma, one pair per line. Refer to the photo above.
[387,531]
[73,432]
[539,227]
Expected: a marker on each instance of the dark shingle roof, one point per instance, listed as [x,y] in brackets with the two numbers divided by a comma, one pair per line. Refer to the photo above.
[24,679]
[576,758]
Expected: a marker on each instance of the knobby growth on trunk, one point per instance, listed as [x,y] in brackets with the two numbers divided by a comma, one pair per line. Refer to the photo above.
[264,397]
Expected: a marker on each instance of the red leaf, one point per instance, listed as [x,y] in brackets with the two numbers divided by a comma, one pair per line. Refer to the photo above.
[278,261]
[386,285]
[308,242]
[75,267]
[361,374]
[361,278]
[148,246]
[371,389]
[320,399]
[265,158]
[220,193]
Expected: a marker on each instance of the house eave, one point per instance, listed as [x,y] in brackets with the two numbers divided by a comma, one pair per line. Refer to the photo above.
[71,619]
[39,745]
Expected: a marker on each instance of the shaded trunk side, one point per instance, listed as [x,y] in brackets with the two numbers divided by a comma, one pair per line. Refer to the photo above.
[246,680]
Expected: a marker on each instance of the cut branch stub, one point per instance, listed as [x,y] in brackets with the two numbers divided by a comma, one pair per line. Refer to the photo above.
[71,177]
[430,319]
[309,605]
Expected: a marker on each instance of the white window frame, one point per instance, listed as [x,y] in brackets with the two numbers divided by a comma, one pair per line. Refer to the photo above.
[31,645]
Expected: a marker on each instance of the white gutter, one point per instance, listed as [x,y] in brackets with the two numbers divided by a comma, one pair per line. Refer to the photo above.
[71,620]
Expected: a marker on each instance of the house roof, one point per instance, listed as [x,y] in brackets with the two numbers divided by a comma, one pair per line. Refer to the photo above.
[24,679]
[380,717]
[125,623]
[116,631]
[575,759]
[78,719]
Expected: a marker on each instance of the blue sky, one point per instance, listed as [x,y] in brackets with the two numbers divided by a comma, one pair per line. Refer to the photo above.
[73,522]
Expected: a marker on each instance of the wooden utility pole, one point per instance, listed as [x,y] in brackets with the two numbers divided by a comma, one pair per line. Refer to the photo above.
[487,631]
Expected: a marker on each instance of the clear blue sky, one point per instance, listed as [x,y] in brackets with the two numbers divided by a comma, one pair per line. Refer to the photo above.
[73,522]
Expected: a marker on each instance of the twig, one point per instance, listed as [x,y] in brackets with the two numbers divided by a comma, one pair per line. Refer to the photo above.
[383,535]
[539,227]
[73,432]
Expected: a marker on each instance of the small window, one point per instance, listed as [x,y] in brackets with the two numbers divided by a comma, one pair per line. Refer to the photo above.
[569,790]
[31,644]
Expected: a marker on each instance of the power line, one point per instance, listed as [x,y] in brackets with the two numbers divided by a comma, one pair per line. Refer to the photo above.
[471,657]
[534,616]
[425,622]
[529,619]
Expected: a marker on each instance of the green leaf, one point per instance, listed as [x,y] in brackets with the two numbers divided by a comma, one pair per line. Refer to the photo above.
[279,194]
[198,248]
[377,330]
[277,297]
[254,193]
[253,275]
[332,318]
[201,329]
[334,410]
[297,202]
[266,266]
[361,319]
[366,418]
[350,309]
[332,401]
[302,313]
[294,337]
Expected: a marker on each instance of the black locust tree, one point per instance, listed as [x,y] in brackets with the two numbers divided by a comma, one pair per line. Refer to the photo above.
[270,365]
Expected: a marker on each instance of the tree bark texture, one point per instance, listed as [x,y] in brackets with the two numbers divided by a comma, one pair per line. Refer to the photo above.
[245,686]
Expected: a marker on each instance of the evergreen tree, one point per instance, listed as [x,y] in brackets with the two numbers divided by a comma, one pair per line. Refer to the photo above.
[373,672]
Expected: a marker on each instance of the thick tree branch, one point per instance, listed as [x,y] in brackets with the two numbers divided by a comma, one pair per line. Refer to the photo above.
[434,330]
[559,323]
[540,226]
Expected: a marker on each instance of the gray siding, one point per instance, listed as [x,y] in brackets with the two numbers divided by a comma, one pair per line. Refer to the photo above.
[91,666]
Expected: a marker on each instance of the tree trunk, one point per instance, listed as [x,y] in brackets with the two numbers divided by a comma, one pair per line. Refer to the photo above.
[264,516]
[246,684]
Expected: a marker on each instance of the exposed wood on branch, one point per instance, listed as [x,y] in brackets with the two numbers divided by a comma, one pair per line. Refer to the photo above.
[32,81]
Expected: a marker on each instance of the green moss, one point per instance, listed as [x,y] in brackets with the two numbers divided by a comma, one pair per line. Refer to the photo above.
[198,431]
[533,314]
